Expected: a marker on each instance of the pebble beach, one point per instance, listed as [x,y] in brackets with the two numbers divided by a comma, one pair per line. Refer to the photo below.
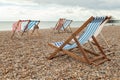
[25,58]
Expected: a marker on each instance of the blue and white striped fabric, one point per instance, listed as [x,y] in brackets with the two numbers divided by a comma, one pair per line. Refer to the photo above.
[89,31]
[31,24]
[66,24]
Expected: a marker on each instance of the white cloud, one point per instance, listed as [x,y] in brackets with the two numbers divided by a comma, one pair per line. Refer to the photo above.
[94,4]
[18,2]
[31,9]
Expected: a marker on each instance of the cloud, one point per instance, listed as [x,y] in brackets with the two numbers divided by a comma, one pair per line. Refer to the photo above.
[91,4]
[52,10]
[17,3]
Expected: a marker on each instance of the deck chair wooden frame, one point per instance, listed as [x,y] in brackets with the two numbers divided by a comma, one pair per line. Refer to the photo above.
[83,51]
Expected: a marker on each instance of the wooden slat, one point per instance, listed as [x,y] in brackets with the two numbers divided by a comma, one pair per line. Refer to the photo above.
[97,58]
[99,47]
[73,55]
[100,62]
[91,52]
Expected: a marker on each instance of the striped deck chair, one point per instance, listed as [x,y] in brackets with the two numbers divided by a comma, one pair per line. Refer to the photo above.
[32,24]
[17,27]
[90,29]
[66,26]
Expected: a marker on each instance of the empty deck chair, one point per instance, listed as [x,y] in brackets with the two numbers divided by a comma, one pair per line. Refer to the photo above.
[88,34]
[32,24]
[63,25]
[17,27]
[66,26]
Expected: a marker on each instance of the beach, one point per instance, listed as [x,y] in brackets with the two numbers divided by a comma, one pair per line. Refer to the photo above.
[25,58]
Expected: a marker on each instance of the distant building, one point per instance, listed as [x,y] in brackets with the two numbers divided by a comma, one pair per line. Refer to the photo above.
[114,21]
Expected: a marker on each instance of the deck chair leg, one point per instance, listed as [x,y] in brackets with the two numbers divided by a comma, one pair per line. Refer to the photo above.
[18,34]
[104,40]
[82,50]
[70,29]
[99,47]
[92,46]
[58,31]
[103,56]
[13,34]
[33,31]
[22,33]
[38,32]
[66,29]
[53,54]
[35,27]
[28,33]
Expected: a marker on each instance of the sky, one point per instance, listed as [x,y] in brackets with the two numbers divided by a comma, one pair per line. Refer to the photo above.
[52,10]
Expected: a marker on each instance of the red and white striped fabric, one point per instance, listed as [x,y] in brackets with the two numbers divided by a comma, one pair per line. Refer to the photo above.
[16,26]
[59,24]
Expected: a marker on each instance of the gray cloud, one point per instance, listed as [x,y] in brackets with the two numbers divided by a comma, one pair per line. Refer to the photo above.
[92,4]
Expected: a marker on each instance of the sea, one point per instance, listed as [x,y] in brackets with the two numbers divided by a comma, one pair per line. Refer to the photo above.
[7,25]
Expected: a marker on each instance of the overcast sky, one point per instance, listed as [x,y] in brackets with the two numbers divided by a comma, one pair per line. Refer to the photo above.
[52,10]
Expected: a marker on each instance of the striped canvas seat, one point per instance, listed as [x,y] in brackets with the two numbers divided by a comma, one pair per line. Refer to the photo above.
[32,23]
[66,24]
